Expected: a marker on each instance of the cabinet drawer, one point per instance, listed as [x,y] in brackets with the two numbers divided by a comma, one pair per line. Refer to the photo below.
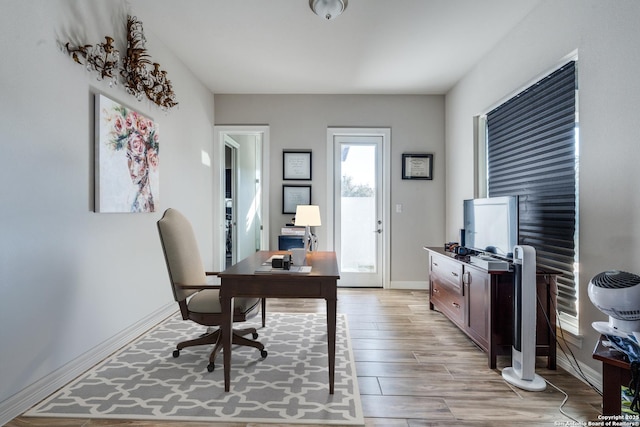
[448,301]
[447,272]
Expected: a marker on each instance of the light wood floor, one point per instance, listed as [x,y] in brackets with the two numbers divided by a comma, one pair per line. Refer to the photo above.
[415,369]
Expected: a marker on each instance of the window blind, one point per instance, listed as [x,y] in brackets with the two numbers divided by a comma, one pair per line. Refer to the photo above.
[531,153]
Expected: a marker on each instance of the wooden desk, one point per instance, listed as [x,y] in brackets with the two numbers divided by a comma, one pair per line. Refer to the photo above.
[241,280]
[615,373]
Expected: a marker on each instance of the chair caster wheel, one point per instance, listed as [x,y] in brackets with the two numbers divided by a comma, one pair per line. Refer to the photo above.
[211,367]
[263,354]
[255,335]
[176,353]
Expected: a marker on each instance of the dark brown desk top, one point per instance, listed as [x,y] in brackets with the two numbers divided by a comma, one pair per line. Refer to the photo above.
[611,357]
[323,264]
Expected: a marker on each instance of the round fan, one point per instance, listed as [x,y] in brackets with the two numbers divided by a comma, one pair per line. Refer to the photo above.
[617,294]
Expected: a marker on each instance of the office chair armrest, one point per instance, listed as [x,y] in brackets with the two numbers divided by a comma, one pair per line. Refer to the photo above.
[203,286]
[198,287]
[209,274]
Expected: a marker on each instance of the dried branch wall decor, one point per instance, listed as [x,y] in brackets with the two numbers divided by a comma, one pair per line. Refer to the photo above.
[142,77]
[139,80]
[103,58]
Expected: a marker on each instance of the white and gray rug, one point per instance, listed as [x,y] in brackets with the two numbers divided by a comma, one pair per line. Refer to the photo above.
[144,382]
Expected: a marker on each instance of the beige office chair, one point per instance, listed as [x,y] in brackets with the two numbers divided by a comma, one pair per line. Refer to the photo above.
[198,300]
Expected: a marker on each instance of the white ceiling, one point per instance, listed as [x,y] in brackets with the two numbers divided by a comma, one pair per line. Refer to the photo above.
[374,47]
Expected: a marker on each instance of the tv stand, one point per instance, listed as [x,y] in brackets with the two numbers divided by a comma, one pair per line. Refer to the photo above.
[479,301]
[489,263]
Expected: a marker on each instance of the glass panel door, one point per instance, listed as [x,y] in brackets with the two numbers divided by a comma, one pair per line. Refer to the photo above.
[358,209]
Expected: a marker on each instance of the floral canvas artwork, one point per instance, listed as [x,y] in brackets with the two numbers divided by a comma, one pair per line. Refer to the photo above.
[127,150]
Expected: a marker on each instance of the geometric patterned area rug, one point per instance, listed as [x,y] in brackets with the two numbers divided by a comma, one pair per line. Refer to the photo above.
[143,381]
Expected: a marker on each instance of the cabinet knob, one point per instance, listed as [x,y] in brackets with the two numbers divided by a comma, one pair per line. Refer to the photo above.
[454,274]
[455,304]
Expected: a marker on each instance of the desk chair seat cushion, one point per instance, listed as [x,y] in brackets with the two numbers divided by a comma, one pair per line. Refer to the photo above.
[207,301]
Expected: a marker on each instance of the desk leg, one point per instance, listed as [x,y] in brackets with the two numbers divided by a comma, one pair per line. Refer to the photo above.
[331,339]
[226,337]
[611,381]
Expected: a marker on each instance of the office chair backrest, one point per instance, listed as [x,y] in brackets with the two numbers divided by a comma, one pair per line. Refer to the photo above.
[181,253]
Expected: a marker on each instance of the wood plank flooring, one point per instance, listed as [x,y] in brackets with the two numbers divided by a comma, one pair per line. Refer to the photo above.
[415,369]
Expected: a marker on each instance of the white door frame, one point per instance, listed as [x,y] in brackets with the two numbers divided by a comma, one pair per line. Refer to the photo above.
[219,135]
[234,146]
[385,133]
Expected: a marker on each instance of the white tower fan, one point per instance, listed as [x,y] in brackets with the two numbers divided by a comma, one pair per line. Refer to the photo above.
[523,353]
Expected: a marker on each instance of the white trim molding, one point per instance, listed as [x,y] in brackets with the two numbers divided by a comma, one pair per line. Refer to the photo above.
[29,396]
[416,285]
[592,376]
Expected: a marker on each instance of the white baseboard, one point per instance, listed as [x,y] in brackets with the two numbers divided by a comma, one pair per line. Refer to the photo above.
[413,285]
[29,396]
[594,377]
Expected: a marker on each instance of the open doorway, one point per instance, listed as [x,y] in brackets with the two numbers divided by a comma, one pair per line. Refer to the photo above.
[241,200]
[230,202]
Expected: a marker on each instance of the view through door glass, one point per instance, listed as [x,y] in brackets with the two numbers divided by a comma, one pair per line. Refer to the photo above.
[358,210]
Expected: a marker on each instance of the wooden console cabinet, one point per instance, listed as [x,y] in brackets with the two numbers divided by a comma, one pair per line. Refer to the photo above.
[480,303]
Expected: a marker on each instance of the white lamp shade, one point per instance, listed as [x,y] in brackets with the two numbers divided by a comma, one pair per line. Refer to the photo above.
[308,215]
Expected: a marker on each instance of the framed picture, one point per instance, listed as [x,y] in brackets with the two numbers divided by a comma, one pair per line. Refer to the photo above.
[294,195]
[127,159]
[296,165]
[417,166]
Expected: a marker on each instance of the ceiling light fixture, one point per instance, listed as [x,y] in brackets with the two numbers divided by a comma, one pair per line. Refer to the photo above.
[328,9]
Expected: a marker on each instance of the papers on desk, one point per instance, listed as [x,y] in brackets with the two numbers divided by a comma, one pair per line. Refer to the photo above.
[301,269]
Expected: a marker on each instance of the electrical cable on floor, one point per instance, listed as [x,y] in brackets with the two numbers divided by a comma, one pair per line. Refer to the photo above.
[573,361]
[566,398]
[575,367]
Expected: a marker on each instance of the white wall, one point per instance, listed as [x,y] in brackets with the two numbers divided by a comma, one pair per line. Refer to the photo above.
[605,36]
[301,122]
[70,278]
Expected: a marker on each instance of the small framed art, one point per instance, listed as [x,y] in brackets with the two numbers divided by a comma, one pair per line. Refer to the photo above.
[417,166]
[294,195]
[296,165]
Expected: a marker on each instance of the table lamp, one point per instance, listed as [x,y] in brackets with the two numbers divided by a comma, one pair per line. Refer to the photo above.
[308,216]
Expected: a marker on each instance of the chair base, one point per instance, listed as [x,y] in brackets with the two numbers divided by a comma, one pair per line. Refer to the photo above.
[215,338]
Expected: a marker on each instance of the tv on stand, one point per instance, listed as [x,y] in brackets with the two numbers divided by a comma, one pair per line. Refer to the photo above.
[491,226]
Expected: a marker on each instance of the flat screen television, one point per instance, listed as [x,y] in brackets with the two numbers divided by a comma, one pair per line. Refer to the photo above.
[491,225]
